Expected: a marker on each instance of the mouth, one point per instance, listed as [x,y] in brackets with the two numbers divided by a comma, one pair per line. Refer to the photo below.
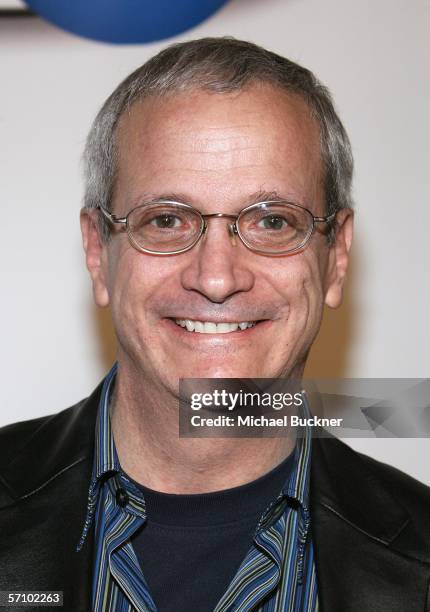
[210,327]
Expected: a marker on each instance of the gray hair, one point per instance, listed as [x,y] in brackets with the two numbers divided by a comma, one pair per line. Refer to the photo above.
[218,65]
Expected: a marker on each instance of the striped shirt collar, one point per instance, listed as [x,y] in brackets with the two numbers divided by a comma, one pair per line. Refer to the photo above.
[105,456]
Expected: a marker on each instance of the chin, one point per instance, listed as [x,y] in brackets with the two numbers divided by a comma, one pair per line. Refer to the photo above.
[239,371]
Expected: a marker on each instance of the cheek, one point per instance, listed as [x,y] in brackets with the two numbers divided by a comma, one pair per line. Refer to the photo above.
[302,288]
[299,276]
[313,289]
[298,281]
[131,287]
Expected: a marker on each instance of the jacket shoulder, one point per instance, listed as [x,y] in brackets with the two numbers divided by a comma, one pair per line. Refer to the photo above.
[34,452]
[411,493]
[377,499]
[353,469]
[15,436]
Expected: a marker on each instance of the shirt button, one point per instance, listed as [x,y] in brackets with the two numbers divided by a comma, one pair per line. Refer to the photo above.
[122,498]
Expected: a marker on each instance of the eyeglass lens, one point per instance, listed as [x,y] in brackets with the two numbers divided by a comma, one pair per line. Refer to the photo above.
[269,227]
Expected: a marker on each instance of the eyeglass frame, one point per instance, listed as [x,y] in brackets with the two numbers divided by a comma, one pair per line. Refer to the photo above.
[233,228]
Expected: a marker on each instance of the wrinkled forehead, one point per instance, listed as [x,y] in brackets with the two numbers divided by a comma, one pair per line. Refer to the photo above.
[261,133]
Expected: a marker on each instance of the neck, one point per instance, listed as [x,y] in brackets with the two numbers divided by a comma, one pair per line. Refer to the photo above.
[145,426]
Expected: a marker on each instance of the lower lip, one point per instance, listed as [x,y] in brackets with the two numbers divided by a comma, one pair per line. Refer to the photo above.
[234,335]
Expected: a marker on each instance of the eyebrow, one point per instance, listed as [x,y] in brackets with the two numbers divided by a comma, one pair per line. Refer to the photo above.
[262,196]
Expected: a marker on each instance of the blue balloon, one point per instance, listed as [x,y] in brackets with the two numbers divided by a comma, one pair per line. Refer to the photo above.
[125,21]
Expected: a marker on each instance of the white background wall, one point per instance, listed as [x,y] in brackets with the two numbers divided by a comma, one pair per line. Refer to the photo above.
[374,56]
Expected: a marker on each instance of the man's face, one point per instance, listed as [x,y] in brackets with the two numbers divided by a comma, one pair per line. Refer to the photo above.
[219,153]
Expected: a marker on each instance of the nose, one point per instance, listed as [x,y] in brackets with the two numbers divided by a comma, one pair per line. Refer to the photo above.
[217,266]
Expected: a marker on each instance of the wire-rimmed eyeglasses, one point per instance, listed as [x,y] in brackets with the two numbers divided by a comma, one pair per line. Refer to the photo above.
[165,227]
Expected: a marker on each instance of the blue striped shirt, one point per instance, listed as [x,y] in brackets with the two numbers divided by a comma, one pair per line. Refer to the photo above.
[277,574]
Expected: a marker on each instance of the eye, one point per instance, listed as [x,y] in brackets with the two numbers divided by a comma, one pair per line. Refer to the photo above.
[166,221]
[273,222]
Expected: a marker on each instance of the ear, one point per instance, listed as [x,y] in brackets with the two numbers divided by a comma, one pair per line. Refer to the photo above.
[95,255]
[338,258]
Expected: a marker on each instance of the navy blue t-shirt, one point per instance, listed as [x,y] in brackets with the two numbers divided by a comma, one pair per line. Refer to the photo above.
[191,546]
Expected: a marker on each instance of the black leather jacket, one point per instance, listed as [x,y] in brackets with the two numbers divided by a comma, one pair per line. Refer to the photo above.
[370,522]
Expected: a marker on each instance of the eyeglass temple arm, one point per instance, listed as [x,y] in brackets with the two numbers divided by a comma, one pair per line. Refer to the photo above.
[110,217]
[326,219]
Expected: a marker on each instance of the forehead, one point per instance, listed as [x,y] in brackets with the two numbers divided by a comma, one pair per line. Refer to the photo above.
[257,139]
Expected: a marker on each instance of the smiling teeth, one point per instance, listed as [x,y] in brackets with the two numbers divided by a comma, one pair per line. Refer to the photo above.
[208,327]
